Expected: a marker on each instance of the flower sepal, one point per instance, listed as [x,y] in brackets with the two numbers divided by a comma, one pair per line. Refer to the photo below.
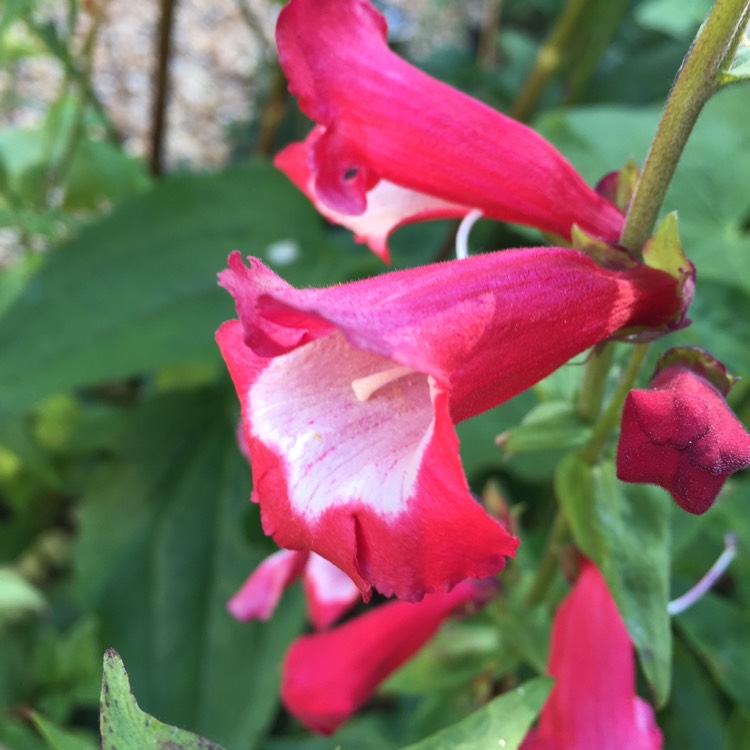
[619,187]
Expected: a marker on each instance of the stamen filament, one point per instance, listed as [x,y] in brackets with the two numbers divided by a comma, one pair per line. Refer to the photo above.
[462,235]
[364,387]
[676,606]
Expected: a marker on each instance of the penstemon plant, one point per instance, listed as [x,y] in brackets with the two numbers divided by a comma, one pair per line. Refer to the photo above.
[479,371]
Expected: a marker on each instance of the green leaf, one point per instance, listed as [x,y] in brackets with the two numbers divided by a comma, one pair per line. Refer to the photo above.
[125,727]
[738,68]
[624,529]
[503,723]
[18,597]
[137,290]
[677,18]
[718,631]
[695,718]
[554,425]
[60,739]
[163,545]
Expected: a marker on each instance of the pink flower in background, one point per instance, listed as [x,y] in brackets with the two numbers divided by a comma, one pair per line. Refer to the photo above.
[349,396]
[328,676]
[680,432]
[394,145]
[329,592]
[593,704]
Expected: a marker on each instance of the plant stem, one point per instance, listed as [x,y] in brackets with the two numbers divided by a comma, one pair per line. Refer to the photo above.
[549,563]
[549,58]
[487,48]
[696,81]
[610,419]
[161,86]
[594,380]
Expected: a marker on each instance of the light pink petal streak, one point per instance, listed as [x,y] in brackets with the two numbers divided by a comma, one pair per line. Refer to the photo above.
[261,592]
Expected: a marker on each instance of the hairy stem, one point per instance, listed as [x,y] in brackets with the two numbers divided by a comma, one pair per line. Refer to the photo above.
[694,85]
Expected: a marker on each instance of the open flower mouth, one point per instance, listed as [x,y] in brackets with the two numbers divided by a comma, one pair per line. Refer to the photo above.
[351,425]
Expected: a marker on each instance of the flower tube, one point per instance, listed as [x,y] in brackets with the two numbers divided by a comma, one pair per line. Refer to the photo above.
[593,705]
[328,676]
[384,124]
[349,395]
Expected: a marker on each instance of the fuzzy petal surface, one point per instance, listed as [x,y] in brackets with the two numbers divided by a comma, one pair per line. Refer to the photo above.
[327,676]
[681,434]
[261,592]
[329,592]
[593,705]
[383,119]
[389,206]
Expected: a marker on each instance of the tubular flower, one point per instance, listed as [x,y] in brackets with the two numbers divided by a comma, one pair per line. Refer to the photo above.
[349,395]
[327,676]
[394,145]
[680,432]
[329,591]
[593,705]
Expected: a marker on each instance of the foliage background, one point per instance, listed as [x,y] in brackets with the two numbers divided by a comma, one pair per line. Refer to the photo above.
[124,519]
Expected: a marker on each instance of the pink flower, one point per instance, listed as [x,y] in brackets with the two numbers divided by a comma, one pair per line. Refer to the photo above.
[394,145]
[329,591]
[593,705]
[680,433]
[349,395]
[327,676]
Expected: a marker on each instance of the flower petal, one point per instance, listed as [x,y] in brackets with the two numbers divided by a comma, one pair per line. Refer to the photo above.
[329,592]
[486,327]
[385,119]
[327,676]
[389,206]
[681,434]
[376,487]
[261,592]
[593,705]
[349,395]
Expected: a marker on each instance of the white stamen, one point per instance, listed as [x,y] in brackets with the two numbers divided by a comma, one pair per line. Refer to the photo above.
[702,587]
[364,387]
[462,235]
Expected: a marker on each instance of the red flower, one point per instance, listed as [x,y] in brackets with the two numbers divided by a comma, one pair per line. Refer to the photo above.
[593,705]
[394,145]
[680,433]
[329,591]
[328,676]
[349,395]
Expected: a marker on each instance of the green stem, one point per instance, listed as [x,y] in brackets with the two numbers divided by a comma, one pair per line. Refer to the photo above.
[594,381]
[611,417]
[549,562]
[694,85]
[549,58]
